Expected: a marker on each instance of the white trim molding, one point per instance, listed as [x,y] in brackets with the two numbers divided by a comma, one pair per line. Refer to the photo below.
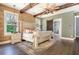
[5,42]
[9,33]
[60,28]
[67,38]
[75,26]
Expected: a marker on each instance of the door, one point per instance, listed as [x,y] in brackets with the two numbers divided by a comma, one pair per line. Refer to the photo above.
[50,25]
[77,26]
[57,28]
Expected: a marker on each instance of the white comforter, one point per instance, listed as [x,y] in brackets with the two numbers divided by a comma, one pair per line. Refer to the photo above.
[28,37]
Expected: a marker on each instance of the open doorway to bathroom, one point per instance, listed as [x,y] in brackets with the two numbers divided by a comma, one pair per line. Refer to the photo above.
[77,27]
[57,28]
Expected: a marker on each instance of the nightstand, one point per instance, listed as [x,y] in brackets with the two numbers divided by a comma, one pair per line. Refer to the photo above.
[16,37]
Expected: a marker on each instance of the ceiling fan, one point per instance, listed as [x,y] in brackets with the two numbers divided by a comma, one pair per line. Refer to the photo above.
[51,7]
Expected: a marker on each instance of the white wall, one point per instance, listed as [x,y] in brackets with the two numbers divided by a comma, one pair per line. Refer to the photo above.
[45,22]
[37,22]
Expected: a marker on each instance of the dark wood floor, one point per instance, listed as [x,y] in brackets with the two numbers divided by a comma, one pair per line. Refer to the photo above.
[64,47]
[76,46]
[9,49]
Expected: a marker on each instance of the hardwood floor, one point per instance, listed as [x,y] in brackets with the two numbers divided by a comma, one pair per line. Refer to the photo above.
[9,49]
[59,48]
[64,47]
[76,46]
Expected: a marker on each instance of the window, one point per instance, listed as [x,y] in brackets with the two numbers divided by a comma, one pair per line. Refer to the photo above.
[10,22]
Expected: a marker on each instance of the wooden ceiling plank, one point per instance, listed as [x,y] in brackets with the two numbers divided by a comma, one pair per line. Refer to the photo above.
[66,5]
[28,7]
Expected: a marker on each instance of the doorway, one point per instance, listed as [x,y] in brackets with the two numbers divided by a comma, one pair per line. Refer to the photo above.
[76,33]
[57,28]
[77,27]
[50,25]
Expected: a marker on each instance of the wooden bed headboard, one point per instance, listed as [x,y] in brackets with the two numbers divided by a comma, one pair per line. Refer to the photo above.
[27,25]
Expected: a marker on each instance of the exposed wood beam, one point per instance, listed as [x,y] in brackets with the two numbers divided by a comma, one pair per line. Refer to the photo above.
[39,14]
[28,7]
[66,5]
[44,12]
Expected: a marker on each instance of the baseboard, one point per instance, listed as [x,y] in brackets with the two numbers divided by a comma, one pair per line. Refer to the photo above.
[5,42]
[67,38]
[77,36]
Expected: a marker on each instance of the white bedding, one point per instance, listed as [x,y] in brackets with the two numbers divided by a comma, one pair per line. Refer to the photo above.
[28,37]
[40,36]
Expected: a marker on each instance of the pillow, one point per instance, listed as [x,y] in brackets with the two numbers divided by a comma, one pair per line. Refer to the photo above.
[27,30]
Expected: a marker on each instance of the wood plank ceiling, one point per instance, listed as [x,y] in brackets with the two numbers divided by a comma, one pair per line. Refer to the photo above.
[28,7]
[66,5]
[56,8]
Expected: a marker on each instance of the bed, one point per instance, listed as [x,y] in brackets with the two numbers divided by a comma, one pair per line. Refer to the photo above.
[28,36]
[37,37]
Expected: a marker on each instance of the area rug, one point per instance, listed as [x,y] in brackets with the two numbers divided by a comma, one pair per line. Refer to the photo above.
[48,48]
[28,48]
